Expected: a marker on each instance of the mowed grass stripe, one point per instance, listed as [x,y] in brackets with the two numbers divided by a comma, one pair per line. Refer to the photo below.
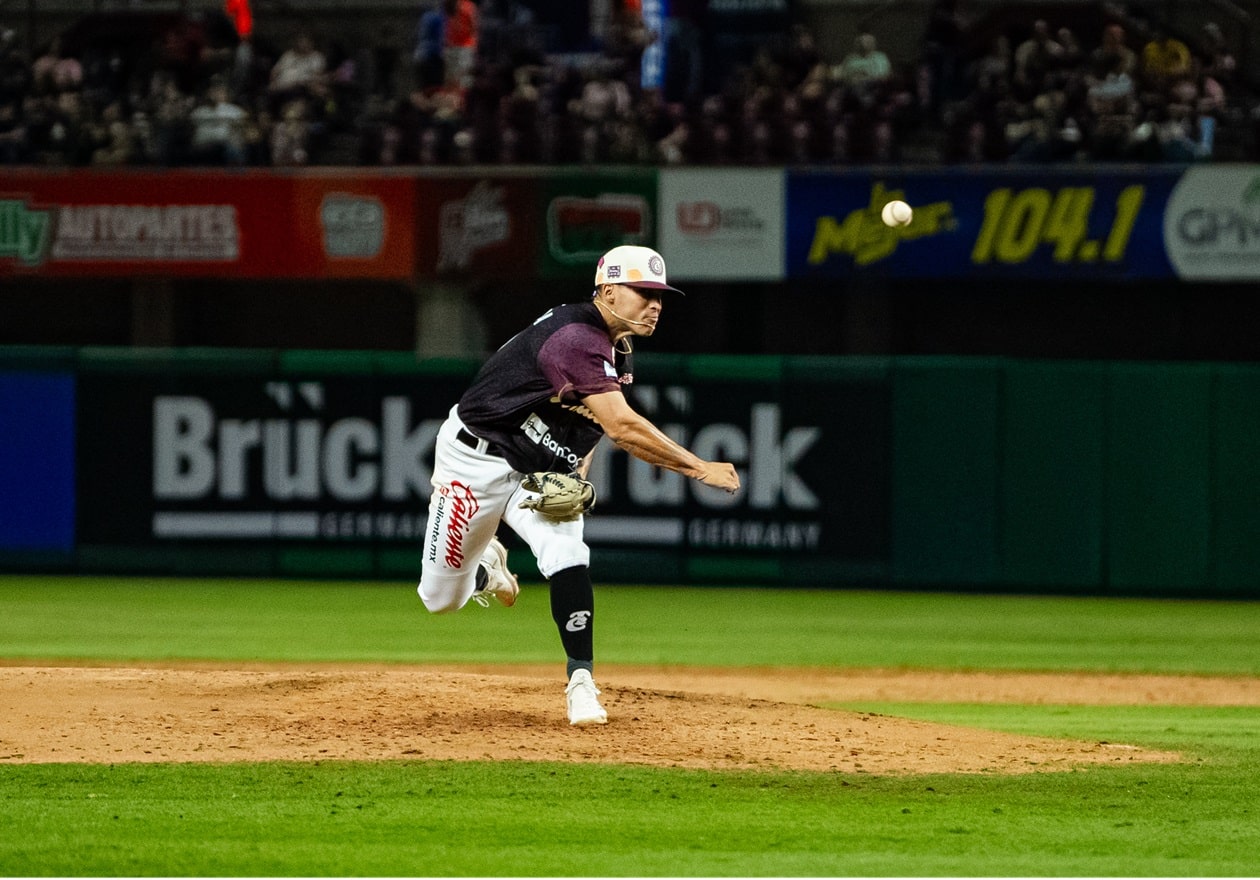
[443,819]
[153,619]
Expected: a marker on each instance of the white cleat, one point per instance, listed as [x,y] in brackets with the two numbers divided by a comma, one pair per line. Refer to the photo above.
[500,582]
[584,707]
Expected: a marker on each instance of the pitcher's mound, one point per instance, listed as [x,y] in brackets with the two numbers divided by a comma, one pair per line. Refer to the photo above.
[111,715]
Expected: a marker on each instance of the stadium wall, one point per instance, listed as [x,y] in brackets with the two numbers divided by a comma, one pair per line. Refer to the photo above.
[993,474]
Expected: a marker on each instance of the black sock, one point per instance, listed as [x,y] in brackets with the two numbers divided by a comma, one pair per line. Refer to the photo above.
[573,610]
[483,578]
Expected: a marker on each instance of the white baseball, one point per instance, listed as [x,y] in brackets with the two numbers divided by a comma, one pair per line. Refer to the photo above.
[897,213]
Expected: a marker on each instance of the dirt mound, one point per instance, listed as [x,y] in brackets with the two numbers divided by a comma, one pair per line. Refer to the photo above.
[723,719]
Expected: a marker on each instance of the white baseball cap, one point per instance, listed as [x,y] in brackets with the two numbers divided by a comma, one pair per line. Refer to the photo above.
[633,266]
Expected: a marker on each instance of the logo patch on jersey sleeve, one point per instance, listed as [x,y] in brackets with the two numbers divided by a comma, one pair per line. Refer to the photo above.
[609,370]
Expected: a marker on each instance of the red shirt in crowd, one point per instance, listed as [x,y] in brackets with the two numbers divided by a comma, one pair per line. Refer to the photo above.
[461,26]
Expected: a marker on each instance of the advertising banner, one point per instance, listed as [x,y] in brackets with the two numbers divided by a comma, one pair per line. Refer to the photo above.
[1212,225]
[814,486]
[722,224]
[174,458]
[482,226]
[37,479]
[1048,223]
[255,458]
[585,215]
[207,224]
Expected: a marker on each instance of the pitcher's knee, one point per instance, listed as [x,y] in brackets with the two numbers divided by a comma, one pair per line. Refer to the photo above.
[440,601]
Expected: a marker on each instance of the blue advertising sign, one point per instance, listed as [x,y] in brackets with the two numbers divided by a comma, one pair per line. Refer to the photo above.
[37,476]
[1023,223]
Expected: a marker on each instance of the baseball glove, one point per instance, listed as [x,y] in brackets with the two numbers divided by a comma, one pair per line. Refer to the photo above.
[558,497]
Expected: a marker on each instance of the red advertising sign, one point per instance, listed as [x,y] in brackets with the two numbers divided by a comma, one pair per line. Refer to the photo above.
[477,226]
[207,223]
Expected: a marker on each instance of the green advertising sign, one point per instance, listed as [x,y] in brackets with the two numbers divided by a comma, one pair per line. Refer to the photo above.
[589,213]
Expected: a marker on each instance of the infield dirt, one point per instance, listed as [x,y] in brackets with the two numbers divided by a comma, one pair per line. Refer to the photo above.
[685,717]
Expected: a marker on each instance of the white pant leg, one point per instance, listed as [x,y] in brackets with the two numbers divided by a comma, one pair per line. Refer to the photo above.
[470,494]
[556,546]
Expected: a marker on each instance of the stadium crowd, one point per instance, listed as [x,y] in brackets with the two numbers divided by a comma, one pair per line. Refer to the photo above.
[480,88]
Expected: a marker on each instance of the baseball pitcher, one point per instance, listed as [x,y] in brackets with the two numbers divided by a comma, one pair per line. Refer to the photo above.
[516,449]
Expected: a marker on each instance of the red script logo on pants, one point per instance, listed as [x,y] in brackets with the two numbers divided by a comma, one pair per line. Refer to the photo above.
[463,505]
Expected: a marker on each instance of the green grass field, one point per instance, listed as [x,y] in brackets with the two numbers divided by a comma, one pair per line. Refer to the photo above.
[537,819]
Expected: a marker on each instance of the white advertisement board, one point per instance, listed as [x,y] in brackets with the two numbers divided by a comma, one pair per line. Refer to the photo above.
[722,224]
[1212,224]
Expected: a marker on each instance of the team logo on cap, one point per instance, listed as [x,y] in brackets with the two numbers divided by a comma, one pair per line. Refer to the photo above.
[656,265]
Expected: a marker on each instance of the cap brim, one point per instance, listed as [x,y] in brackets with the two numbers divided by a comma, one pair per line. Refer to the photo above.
[649,285]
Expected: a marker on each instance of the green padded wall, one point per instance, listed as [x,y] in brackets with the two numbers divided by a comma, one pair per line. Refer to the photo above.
[1236,479]
[934,472]
[1158,523]
[945,472]
[1052,478]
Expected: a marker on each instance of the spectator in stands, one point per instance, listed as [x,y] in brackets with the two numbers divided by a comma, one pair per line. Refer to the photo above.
[218,129]
[1072,57]
[628,35]
[55,71]
[428,57]
[666,129]
[14,146]
[185,50]
[143,140]
[167,109]
[1114,46]
[442,115]
[519,113]
[73,129]
[105,136]
[244,76]
[684,64]
[345,87]
[994,65]
[460,37]
[1054,98]
[110,139]
[1215,58]
[15,72]
[1164,59]
[865,66]
[709,137]
[300,73]
[943,39]
[1034,59]
[800,58]
[384,57]
[1171,134]
[607,94]
[39,114]
[290,137]
[1113,105]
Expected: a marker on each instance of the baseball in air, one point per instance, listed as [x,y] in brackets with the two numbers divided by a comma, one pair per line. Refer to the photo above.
[897,213]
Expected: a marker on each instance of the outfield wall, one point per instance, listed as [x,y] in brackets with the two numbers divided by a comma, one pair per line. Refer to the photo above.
[945,473]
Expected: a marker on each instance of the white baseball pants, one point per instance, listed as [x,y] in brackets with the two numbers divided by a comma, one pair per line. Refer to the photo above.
[473,491]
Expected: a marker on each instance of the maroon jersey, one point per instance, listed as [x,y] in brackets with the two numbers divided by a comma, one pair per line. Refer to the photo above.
[527,398]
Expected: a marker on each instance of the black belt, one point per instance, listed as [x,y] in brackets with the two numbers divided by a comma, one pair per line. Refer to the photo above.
[472,441]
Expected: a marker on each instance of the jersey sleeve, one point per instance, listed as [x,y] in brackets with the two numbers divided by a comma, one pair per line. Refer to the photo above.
[578,361]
